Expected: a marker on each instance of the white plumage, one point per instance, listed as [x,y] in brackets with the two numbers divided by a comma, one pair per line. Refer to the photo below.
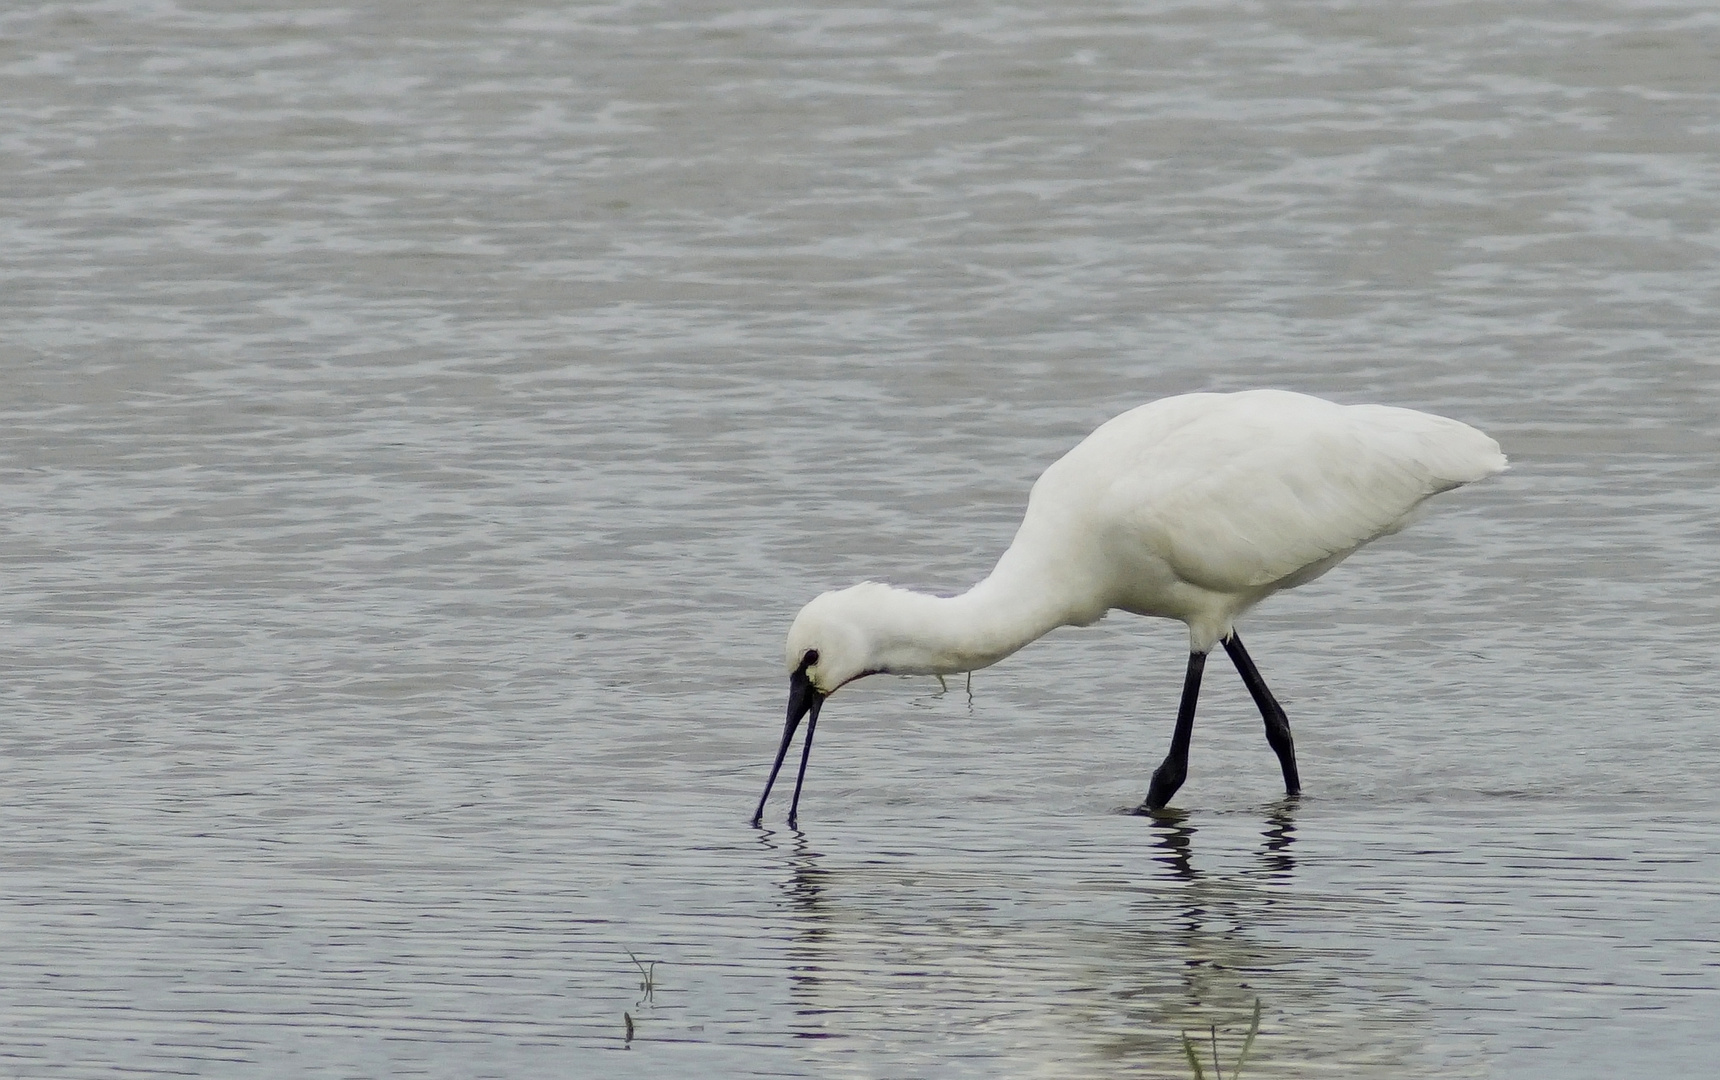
[1193,508]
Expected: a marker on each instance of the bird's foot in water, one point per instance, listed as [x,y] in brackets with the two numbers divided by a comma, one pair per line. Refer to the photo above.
[1164,815]
[1166,780]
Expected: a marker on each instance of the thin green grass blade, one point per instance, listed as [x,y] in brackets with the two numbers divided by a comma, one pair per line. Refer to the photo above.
[1248,1043]
[1193,1058]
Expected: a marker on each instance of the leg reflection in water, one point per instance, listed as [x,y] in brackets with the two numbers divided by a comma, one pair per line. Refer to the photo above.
[1208,930]
[1280,833]
[1175,844]
[1104,954]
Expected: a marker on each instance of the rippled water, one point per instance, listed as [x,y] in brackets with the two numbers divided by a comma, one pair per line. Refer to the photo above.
[422,420]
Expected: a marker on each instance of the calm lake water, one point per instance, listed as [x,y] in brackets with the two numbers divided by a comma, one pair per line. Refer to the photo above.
[421,422]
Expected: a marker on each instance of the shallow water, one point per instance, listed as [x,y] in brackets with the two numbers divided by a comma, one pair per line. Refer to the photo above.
[422,420]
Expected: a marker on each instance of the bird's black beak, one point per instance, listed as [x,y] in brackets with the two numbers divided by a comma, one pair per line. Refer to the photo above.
[804,699]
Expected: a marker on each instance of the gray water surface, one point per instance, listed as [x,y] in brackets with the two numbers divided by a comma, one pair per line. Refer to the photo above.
[419,423]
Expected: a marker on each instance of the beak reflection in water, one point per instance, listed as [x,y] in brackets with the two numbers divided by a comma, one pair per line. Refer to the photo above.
[804,699]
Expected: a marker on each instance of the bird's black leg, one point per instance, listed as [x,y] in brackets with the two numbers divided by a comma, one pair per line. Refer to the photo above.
[1170,775]
[1277,724]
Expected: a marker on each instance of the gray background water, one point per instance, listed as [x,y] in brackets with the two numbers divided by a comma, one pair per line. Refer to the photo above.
[422,420]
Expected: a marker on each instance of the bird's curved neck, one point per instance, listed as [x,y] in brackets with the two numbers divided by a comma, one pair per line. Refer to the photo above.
[934,635]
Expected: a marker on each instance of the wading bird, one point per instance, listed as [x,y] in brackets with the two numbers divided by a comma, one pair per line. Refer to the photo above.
[1194,508]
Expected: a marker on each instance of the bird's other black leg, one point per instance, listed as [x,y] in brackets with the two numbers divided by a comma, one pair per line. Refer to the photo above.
[1170,775]
[1277,724]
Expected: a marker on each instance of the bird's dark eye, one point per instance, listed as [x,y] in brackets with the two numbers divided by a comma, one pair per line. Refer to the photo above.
[809,659]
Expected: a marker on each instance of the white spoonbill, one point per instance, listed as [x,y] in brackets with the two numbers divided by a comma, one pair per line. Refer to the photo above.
[1194,507]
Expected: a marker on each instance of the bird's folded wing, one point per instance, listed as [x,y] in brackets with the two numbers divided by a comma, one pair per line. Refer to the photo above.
[1262,505]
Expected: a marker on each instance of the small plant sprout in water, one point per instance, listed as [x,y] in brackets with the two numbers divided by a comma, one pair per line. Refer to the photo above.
[647,983]
[1217,1070]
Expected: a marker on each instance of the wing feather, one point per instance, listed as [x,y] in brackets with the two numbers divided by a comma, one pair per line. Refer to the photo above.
[1263,486]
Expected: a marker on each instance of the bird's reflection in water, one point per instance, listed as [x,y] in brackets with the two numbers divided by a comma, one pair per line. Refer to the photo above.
[1181,937]
[1276,860]
[1195,956]
[806,881]
[1175,844]
[804,887]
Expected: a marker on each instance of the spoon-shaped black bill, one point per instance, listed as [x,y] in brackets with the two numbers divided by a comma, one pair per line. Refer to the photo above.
[803,698]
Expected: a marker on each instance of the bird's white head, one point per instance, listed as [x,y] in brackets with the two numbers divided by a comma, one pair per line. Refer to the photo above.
[831,640]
